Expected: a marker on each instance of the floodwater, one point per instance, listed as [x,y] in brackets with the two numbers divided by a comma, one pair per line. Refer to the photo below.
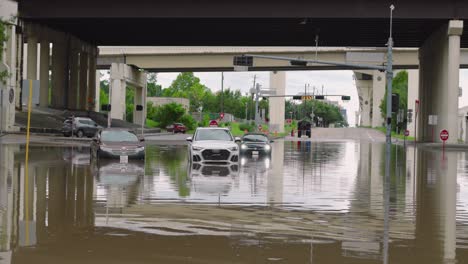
[307,203]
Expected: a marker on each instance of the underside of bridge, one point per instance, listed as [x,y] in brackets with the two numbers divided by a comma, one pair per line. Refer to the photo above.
[74,29]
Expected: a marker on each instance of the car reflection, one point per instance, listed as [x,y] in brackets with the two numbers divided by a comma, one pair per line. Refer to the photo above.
[118,182]
[257,163]
[213,179]
[77,156]
[109,172]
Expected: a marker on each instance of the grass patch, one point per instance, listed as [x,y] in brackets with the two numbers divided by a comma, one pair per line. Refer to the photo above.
[150,123]
[394,134]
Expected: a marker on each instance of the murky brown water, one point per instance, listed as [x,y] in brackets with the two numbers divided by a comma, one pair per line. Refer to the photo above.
[307,203]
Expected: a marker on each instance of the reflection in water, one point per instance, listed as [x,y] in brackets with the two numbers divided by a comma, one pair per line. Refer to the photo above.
[317,203]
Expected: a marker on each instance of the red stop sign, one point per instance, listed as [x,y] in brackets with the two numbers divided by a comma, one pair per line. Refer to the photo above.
[444,135]
[406,133]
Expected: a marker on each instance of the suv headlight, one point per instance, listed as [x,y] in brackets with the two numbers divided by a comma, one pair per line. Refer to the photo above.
[139,149]
[244,146]
[233,148]
[196,148]
[267,147]
[106,149]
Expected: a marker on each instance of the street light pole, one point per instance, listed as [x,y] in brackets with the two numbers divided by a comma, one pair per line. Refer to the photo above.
[222,92]
[257,92]
[389,72]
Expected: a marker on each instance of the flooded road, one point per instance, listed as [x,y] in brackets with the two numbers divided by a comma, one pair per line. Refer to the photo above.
[309,202]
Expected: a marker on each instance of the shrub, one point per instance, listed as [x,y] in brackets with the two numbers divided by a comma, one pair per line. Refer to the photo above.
[188,121]
[245,126]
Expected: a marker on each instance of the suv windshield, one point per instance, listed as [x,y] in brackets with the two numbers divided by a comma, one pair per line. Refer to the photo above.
[213,134]
[255,138]
[118,136]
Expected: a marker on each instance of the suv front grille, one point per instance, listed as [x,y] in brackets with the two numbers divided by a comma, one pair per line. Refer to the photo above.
[215,154]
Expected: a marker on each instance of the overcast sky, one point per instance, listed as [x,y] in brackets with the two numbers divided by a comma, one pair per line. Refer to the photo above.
[333,82]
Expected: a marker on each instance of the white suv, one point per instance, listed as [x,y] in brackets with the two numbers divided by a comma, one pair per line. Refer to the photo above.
[212,145]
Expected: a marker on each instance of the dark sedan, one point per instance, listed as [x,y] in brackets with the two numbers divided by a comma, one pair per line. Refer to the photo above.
[117,143]
[255,144]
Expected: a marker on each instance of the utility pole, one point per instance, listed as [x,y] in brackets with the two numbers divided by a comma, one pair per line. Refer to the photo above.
[257,93]
[222,92]
[254,85]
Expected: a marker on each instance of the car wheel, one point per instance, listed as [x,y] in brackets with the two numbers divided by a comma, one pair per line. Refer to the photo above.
[80,133]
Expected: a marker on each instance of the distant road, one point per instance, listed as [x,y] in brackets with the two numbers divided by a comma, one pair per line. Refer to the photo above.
[338,134]
[318,134]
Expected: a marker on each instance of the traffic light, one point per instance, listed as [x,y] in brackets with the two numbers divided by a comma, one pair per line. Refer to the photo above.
[298,63]
[243,61]
[345,98]
[319,97]
[297,97]
[395,102]
[105,107]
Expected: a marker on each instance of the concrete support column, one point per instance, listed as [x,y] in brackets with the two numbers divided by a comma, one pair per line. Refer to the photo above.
[413,95]
[72,102]
[140,99]
[9,64]
[91,100]
[117,91]
[44,74]
[439,81]
[83,92]
[97,92]
[32,58]
[59,75]
[378,94]
[276,104]
[365,95]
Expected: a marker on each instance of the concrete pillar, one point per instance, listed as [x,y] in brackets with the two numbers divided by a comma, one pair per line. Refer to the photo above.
[83,92]
[91,100]
[59,75]
[72,102]
[378,94]
[9,64]
[44,74]
[31,72]
[365,95]
[276,104]
[439,81]
[117,91]
[97,92]
[413,95]
[140,99]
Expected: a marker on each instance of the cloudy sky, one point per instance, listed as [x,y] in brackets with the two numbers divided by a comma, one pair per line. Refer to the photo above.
[333,82]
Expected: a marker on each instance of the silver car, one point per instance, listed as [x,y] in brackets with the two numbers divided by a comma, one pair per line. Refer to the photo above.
[213,145]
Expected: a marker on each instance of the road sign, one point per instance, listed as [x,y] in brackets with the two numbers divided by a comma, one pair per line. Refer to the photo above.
[406,133]
[432,120]
[306,97]
[444,135]
[320,97]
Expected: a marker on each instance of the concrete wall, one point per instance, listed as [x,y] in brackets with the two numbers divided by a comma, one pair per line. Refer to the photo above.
[159,101]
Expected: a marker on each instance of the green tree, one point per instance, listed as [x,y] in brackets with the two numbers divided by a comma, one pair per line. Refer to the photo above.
[3,39]
[400,87]
[168,114]
[187,85]
[129,103]
[153,89]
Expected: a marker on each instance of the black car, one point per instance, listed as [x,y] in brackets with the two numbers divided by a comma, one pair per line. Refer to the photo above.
[304,127]
[255,144]
[117,143]
[80,127]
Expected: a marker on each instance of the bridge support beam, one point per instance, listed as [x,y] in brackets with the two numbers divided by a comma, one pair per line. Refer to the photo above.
[8,63]
[44,68]
[371,91]
[439,81]
[277,104]
[121,75]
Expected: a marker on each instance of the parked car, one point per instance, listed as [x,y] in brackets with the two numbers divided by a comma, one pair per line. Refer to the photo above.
[117,143]
[255,144]
[176,128]
[80,126]
[213,123]
[213,145]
